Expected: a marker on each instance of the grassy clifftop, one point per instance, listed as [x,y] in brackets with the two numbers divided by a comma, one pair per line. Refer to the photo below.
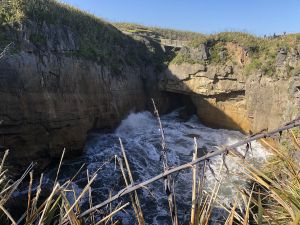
[259,53]
[101,41]
[158,32]
[97,40]
[252,53]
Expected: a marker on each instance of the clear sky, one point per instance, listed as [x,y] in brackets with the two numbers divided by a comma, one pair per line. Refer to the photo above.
[206,16]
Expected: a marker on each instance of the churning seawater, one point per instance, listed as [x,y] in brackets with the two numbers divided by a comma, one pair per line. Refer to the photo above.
[141,138]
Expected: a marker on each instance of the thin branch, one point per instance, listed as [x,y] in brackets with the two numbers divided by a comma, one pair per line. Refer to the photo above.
[168,181]
[59,166]
[13,222]
[5,50]
[125,191]
[111,214]
[134,197]
[194,186]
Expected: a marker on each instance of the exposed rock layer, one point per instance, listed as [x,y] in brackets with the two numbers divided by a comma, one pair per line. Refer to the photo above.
[57,85]
[225,97]
[50,99]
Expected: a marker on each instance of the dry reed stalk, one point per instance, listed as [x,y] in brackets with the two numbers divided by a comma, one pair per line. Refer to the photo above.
[277,191]
[80,196]
[72,218]
[11,188]
[200,189]
[92,217]
[59,165]
[111,214]
[235,214]
[110,210]
[230,218]
[13,222]
[288,164]
[294,138]
[3,160]
[127,190]
[169,189]
[36,198]
[76,174]
[48,202]
[6,188]
[61,211]
[134,198]
[247,214]
[194,186]
[29,196]
[208,207]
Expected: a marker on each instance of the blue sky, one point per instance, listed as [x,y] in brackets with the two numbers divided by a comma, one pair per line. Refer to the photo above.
[206,16]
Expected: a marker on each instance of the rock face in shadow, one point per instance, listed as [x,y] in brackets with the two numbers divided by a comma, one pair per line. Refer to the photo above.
[223,111]
[48,106]
[50,98]
[225,97]
[70,72]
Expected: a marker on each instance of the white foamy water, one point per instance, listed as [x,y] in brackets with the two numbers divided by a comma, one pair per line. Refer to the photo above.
[141,138]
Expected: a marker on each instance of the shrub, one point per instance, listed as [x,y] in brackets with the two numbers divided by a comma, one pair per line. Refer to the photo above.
[11,12]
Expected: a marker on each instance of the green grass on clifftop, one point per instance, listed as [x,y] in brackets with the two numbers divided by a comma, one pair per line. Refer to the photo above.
[158,32]
[261,52]
[98,40]
[101,41]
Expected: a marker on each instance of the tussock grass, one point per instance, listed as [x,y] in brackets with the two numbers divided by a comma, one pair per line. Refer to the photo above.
[56,208]
[273,196]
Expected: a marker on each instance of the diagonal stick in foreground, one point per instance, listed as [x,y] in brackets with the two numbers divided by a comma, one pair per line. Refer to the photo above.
[129,189]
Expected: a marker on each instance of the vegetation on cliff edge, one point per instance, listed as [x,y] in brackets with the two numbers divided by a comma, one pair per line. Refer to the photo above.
[260,53]
[157,32]
[104,42]
[95,39]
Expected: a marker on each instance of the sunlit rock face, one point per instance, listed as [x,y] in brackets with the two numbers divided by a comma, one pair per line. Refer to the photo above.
[56,86]
[216,91]
[226,96]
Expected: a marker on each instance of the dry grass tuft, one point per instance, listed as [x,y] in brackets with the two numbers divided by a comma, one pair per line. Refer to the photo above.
[272,198]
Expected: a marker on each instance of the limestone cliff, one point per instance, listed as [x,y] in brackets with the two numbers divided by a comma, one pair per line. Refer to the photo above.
[66,74]
[249,88]
[69,72]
